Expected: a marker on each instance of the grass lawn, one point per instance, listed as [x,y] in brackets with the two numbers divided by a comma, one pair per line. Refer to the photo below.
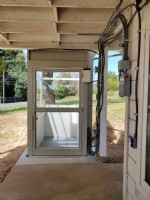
[113,97]
[7,111]
[116,105]
[116,110]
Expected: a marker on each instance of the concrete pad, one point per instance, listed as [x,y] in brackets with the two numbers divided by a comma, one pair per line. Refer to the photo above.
[94,181]
[37,160]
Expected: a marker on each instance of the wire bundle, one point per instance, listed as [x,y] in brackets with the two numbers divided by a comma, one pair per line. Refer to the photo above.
[105,40]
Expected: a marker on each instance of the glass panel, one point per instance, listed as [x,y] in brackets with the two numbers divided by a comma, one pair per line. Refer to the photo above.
[57,130]
[57,89]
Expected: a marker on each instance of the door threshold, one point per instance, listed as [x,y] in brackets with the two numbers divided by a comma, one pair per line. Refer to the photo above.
[38,160]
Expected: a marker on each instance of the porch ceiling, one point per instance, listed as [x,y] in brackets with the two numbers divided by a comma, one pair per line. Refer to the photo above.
[64,24]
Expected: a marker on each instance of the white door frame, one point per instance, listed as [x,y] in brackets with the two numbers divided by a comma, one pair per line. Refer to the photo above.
[55,151]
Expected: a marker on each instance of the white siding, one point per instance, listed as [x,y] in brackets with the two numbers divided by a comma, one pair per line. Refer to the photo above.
[134,189]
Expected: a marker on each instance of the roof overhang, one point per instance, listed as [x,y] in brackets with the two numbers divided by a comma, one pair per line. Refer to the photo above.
[61,24]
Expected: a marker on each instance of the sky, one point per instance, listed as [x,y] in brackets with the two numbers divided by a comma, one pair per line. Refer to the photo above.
[112,62]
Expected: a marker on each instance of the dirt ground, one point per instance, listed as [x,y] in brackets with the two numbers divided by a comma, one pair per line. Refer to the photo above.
[115,139]
[13,140]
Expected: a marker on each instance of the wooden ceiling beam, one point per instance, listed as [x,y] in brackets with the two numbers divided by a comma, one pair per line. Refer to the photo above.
[85,3]
[31,37]
[26,27]
[4,38]
[78,15]
[83,28]
[42,45]
[36,3]
[79,38]
[26,14]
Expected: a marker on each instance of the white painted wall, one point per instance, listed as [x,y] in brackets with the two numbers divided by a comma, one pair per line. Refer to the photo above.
[135,187]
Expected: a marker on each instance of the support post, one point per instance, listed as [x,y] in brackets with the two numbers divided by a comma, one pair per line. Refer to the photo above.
[103,124]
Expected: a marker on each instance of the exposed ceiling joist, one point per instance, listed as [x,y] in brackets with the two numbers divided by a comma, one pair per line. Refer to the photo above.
[41,45]
[85,3]
[36,3]
[81,28]
[79,15]
[26,14]
[63,3]
[68,24]
[78,38]
[4,38]
[27,27]
[31,37]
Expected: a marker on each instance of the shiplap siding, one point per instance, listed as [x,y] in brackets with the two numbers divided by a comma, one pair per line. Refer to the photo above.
[133,191]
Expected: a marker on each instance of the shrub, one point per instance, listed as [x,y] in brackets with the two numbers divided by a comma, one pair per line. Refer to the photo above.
[72,91]
[61,92]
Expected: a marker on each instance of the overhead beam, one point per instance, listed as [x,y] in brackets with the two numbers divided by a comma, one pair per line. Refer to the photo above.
[37,3]
[4,38]
[55,13]
[78,38]
[26,27]
[85,3]
[31,37]
[29,45]
[70,45]
[78,15]
[38,45]
[26,14]
[74,28]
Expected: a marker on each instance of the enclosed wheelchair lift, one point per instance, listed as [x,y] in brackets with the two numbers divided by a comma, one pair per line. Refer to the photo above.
[59,102]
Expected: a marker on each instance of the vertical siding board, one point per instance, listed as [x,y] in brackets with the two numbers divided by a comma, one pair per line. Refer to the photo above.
[132,188]
[132,111]
[135,189]
[132,168]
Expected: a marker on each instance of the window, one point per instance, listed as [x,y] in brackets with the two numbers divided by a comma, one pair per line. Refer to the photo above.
[57,89]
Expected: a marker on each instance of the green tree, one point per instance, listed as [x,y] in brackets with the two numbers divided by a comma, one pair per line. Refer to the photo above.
[113,81]
[14,65]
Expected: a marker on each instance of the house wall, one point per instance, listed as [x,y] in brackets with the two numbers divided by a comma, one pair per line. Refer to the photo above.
[135,187]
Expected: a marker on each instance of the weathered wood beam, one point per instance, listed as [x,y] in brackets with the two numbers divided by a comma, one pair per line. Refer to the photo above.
[70,45]
[79,15]
[33,37]
[29,45]
[55,13]
[26,14]
[39,45]
[85,3]
[64,3]
[36,3]
[26,27]
[78,38]
[4,38]
[86,28]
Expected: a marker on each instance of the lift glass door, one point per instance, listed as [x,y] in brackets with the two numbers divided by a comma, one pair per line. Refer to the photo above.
[58,111]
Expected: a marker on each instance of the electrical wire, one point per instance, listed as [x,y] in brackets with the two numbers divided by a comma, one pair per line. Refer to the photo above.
[107,39]
[137,72]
